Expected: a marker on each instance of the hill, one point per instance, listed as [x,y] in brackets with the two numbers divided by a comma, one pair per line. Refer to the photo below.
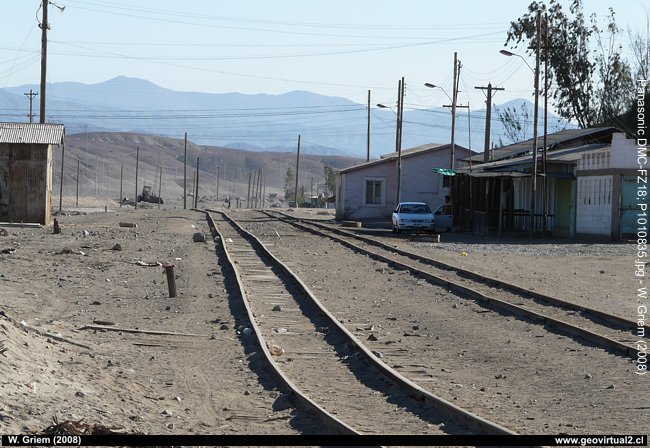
[104,157]
[328,125]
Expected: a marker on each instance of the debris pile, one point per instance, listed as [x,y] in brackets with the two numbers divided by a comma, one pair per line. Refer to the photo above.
[79,428]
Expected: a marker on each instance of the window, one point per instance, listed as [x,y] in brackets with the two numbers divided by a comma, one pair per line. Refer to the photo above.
[374,191]
[445,181]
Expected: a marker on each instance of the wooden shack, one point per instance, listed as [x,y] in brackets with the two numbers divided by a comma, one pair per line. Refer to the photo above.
[26,171]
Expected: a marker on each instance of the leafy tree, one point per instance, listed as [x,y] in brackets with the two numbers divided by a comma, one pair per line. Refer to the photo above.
[515,123]
[330,178]
[289,184]
[588,83]
[640,49]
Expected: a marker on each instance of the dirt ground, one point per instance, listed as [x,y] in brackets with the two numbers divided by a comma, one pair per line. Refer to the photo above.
[178,365]
[198,381]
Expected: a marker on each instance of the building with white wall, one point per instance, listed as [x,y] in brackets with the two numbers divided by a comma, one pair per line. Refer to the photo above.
[369,191]
[605,198]
[585,187]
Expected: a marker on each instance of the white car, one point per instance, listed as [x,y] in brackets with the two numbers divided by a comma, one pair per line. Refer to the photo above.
[412,216]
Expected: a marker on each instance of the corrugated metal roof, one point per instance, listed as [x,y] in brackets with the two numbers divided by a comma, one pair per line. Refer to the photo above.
[32,133]
[411,152]
[566,155]
[555,140]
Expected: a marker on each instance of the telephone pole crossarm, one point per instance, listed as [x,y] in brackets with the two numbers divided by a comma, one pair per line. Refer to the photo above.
[488,118]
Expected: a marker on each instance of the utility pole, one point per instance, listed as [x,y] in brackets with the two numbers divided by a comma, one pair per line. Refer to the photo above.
[259,189]
[297,168]
[454,99]
[196,190]
[398,139]
[544,179]
[488,119]
[121,180]
[185,175]
[248,197]
[218,169]
[536,116]
[31,96]
[137,166]
[78,186]
[368,138]
[160,187]
[44,27]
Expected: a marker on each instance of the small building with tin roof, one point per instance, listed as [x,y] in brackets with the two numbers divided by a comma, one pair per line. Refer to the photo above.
[369,191]
[26,171]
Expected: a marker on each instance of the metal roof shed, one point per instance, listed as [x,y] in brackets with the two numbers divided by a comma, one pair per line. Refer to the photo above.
[26,170]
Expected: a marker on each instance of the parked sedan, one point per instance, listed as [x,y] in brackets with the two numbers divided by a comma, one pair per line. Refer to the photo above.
[412,216]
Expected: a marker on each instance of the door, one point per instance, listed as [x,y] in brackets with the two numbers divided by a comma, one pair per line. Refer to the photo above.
[563,209]
[629,207]
[443,218]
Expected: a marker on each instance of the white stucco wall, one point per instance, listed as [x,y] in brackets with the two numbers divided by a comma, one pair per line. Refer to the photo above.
[351,203]
[624,151]
[419,183]
[594,205]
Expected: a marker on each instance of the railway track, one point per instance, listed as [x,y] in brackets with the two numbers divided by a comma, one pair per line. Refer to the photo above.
[587,326]
[323,367]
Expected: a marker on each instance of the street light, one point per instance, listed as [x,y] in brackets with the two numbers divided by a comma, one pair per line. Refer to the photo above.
[536,73]
[398,137]
[509,53]
[453,122]
[434,86]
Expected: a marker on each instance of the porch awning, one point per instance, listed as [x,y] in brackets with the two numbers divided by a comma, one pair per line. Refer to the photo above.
[495,174]
[444,171]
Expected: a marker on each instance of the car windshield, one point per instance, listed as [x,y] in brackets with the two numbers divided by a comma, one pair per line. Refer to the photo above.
[416,209]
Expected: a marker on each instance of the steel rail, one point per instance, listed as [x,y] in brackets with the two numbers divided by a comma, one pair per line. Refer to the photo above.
[464,291]
[299,399]
[445,408]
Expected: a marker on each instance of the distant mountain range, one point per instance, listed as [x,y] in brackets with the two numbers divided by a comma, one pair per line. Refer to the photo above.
[327,125]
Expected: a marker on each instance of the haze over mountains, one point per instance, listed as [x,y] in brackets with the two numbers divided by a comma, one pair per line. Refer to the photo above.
[327,125]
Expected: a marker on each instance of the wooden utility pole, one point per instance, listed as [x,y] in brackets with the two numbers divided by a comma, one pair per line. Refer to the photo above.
[196,190]
[368,138]
[536,116]
[218,169]
[159,187]
[544,178]
[121,180]
[488,119]
[398,139]
[44,27]
[248,196]
[137,166]
[254,182]
[31,96]
[259,190]
[454,98]
[77,203]
[297,168]
[61,188]
[185,175]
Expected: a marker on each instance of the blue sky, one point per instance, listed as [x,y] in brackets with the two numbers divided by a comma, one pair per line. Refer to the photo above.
[333,47]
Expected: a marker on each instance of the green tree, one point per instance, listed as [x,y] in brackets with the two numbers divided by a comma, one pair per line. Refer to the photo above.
[289,184]
[589,82]
[515,123]
[330,178]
